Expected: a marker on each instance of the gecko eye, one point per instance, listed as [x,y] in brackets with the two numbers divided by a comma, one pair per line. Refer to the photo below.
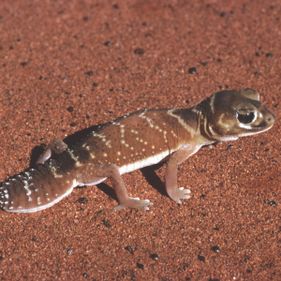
[246,117]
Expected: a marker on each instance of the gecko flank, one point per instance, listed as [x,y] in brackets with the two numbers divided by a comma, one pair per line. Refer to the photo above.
[131,142]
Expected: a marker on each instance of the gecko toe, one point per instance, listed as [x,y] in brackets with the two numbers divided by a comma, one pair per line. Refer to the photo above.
[180,194]
[135,203]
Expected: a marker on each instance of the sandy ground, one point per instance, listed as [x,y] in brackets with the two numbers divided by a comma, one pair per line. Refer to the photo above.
[66,65]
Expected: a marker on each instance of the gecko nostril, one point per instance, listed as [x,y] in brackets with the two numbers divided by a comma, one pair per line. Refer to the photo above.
[270,119]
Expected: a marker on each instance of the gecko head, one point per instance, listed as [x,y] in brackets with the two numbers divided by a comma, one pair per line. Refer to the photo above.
[231,114]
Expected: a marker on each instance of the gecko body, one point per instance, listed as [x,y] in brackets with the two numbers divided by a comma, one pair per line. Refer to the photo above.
[131,142]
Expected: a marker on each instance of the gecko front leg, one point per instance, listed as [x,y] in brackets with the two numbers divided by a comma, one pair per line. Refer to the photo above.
[56,146]
[94,172]
[175,193]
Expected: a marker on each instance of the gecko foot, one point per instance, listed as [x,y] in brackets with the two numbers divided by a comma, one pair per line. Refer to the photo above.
[180,194]
[135,203]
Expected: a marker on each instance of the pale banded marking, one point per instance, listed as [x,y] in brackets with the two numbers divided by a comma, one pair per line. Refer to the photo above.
[73,156]
[144,162]
[108,144]
[45,206]
[173,134]
[212,103]
[149,120]
[26,187]
[54,172]
[188,128]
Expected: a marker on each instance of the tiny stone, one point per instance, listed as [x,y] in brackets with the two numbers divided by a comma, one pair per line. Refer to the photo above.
[271,203]
[69,251]
[130,249]
[216,228]
[154,256]
[192,70]
[89,73]
[269,55]
[140,265]
[106,223]
[139,51]
[24,63]
[85,275]
[201,258]
[72,124]
[213,279]
[70,109]
[107,43]
[82,200]
[94,85]
[204,63]
[229,146]
[215,249]
[86,18]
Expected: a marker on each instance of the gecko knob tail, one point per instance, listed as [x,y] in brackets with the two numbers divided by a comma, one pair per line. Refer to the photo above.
[33,190]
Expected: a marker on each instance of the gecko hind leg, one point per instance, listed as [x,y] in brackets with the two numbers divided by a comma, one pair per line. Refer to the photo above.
[56,146]
[111,171]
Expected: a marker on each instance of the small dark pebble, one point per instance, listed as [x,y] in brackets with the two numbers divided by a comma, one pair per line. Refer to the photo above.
[1,258]
[82,200]
[89,73]
[139,51]
[215,249]
[204,63]
[213,279]
[229,146]
[94,85]
[192,70]
[216,228]
[70,109]
[106,223]
[249,270]
[203,196]
[24,63]
[130,249]
[72,124]
[222,14]
[86,18]
[34,239]
[107,43]
[69,251]
[115,6]
[154,256]
[269,55]
[201,258]
[271,203]
[85,275]
[140,265]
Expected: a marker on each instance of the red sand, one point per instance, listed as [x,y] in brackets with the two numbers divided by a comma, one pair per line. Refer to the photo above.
[66,65]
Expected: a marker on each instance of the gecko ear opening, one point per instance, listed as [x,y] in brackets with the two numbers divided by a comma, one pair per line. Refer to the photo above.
[250,94]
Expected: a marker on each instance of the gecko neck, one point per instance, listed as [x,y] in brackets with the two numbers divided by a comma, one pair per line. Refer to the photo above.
[205,128]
